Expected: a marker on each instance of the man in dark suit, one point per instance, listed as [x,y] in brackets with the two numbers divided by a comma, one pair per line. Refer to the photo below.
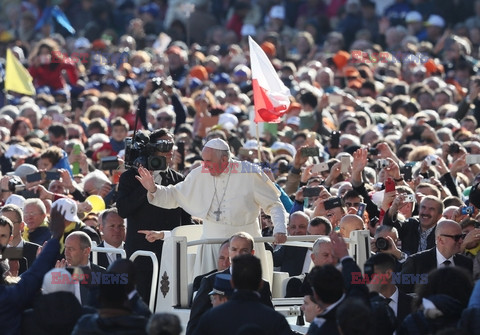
[244,307]
[132,204]
[382,266]
[449,238]
[77,251]
[240,244]
[331,288]
[29,249]
[112,227]
[417,233]
[293,259]
[223,262]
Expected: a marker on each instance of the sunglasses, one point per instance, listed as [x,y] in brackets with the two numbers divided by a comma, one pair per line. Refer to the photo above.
[160,118]
[455,237]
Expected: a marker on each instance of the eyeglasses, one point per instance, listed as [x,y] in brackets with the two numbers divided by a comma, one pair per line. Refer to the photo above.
[455,237]
[167,118]
[32,214]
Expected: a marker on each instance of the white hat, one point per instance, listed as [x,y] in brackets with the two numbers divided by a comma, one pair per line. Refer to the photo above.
[68,207]
[251,144]
[25,169]
[413,16]
[218,144]
[248,29]
[435,20]
[227,121]
[284,146]
[57,280]
[295,120]
[17,200]
[232,109]
[277,12]
[82,42]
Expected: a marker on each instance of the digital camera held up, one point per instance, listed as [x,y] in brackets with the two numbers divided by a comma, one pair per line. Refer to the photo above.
[139,151]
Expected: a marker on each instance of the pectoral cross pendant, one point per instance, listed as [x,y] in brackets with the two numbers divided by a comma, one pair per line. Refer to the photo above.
[217,214]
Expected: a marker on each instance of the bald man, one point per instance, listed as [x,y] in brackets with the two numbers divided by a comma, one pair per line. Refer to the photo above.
[349,223]
[294,260]
[448,238]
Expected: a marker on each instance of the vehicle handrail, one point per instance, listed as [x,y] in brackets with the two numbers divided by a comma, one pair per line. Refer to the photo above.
[95,250]
[270,239]
[144,253]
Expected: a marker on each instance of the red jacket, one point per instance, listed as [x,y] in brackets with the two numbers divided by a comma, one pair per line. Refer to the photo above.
[51,75]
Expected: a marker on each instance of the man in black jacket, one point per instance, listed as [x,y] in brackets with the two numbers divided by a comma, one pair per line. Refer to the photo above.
[133,205]
[418,233]
[240,244]
[244,308]
[29,249]
[449,238]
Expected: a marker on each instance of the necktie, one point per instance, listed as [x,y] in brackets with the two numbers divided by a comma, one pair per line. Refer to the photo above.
[388,301]
[447,263]
[119,256]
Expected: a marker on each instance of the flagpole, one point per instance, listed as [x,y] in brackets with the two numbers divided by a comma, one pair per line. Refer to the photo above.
[259,146]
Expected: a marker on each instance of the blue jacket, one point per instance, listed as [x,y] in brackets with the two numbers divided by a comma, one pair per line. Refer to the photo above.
[15,298]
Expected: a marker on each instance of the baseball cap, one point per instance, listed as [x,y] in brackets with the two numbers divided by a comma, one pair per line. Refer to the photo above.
[278,147]
[16,200]
[82,43]
[295,120]
[222,285]
[413,16]
[277,12]
[68,207]
[435,20]
[25,169]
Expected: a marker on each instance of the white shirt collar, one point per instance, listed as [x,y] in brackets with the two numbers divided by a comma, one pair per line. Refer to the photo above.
[441,258]
[19,245]
[111,246]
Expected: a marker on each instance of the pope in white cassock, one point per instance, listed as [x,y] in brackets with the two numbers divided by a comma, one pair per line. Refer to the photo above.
[227,195]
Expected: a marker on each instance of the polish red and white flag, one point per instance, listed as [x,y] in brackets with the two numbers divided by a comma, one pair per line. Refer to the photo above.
[270,94]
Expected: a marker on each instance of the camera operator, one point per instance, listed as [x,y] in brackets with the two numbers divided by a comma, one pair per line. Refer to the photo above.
[132,204]
[386,241]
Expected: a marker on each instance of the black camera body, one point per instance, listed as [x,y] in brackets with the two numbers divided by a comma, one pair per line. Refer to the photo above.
[382,243]
[139,151]
[15,184]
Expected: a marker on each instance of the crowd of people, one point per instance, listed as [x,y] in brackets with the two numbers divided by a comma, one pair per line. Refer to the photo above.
[143,121]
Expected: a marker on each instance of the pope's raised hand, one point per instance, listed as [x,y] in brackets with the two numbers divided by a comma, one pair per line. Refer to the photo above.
[146,179]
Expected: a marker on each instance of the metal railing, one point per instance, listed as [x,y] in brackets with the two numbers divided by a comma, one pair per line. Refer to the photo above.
[139,253]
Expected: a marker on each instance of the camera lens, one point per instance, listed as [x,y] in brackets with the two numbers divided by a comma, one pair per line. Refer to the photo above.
[433,162]
[381,243]
[156,163]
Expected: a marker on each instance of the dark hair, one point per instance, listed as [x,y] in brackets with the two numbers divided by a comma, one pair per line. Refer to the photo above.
[383,261]
[104,214]
[327,282]
[452,281]
[308,98]
[124,266]
[120,122]
[6,221]
[19,120]
[53,154]
[246,272]
[319,220]
[452,201]
[354,317]
[159,133]
[57,130]
[164,324]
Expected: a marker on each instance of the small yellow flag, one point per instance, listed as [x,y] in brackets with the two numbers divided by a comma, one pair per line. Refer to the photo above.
[17,78]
